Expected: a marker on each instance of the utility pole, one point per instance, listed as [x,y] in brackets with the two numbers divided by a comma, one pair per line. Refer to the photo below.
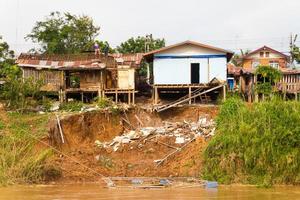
[293,39]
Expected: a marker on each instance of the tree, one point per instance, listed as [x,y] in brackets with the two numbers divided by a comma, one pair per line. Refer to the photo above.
[64,33]
[7,57]
[103,45]
[270,76]
[237,59]
[141,44]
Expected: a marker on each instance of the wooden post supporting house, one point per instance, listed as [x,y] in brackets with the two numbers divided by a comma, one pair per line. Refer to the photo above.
[224,92]
[155,95]
[129,97]
[190,94]
[133,96]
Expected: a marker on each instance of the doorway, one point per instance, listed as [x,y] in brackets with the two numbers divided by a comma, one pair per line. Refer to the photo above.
[195,73]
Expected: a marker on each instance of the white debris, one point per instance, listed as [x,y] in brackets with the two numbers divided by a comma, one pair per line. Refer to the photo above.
[55,106]
[182,131]
[179,140]
[147,131]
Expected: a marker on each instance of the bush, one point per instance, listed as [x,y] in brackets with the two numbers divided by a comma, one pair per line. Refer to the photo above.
[73,106]
[257,144]
[104,102]
[20,160]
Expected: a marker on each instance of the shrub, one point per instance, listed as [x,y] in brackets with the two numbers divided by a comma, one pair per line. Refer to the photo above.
[20,160]
[72,106]
[257,144]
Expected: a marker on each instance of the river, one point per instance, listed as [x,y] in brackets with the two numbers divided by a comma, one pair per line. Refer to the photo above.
[94,191]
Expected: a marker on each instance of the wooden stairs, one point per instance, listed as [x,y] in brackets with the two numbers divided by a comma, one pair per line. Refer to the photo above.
[196,93]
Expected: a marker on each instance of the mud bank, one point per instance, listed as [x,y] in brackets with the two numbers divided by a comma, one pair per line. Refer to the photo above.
[83,129]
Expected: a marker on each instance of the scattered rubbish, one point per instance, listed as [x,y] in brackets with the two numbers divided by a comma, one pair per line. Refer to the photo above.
[55,106]
[137,181]
[179,140]
[211,184]
[183,133]
[164,182]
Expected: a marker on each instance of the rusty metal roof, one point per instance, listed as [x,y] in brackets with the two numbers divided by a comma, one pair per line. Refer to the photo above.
[67,62]
[133,60]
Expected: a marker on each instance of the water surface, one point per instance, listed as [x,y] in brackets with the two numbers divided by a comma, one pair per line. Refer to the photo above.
[94,191]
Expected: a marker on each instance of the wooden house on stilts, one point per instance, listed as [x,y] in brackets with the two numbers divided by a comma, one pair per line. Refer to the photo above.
[189,67]
[85,75]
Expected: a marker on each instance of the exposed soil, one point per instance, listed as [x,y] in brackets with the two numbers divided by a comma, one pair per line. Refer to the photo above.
[134,159]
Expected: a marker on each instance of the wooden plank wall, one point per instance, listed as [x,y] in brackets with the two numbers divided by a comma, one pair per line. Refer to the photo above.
[50,78]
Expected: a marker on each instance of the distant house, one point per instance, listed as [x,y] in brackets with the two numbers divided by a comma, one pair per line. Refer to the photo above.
[85,75]
[264,56]
[188,65]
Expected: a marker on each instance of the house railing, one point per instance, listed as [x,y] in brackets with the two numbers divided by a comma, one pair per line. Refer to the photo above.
[289,87]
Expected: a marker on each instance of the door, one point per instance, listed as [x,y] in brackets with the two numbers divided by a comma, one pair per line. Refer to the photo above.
[195,73]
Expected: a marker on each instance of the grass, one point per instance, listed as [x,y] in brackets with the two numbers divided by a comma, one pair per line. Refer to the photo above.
[21,158]
[255,144]
[73,106]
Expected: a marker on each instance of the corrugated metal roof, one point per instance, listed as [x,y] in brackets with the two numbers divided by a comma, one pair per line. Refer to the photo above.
[63,62]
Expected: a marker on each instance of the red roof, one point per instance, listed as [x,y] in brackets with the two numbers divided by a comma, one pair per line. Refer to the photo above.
[265,48]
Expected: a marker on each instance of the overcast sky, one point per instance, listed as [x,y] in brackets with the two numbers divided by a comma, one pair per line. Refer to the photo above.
[230,24]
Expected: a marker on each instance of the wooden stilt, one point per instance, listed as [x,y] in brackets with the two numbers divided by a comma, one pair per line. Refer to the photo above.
[116,98]
[129,97]
[190,94]
[155,95]
[224,92]
[133,97]
[82,97]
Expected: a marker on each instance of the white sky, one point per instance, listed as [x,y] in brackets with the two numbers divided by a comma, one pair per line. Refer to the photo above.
[230,24]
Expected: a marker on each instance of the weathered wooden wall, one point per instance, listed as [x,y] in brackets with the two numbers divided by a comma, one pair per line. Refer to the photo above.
[52,79]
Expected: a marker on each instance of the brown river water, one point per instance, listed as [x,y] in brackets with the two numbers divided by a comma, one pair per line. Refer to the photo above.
[94,191]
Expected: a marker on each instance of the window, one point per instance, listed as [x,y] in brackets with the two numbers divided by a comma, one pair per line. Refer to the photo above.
[274,64]
[261,54]
[267,54]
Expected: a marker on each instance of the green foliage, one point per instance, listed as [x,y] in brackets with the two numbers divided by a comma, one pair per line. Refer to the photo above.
[104,102]
[2,125]
[47,104]
[270,76]
[257,144]
[141,44]
[6,58]
[103,45]
[20,93]
[20,160]
[295,51]
[64,33]
[138,45]
[73,106]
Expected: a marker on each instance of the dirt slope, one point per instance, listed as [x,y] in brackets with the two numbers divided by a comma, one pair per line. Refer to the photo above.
[134,159]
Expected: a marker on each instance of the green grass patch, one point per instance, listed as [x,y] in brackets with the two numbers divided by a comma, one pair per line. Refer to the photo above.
[22,160]
[73,106]
[255,144]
